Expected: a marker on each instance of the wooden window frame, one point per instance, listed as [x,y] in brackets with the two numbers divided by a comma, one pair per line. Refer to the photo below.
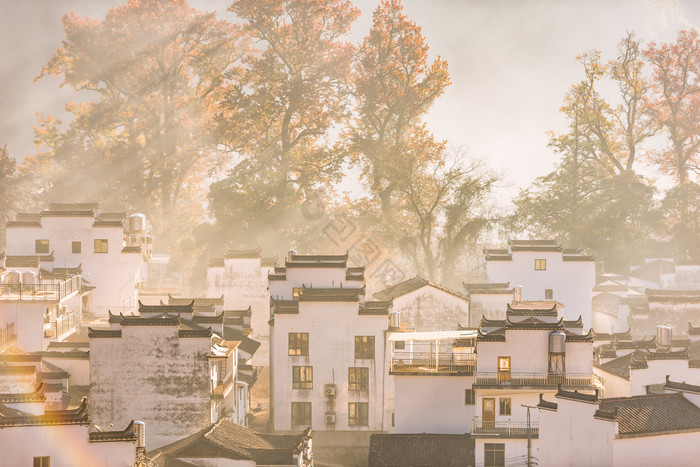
[78,250]
[491,454]
[42,246]
[504,406]
[358,414]
[540,264]
[469,397]
[301,413]
[302,377]
[364,347]
[298,344]
[358,378]
[101,245]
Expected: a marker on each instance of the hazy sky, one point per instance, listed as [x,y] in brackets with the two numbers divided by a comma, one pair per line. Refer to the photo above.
[511,63]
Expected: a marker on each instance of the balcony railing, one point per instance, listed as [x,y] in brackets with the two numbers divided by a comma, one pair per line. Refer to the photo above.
[518,429]
[63,324]
[7,334]
[219,387]
[41,292]
[431,362]
[535,379]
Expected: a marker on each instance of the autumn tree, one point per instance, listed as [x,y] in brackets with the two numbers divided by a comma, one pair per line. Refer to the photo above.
[278,121]
[8,185]
[140,137]
[674,102]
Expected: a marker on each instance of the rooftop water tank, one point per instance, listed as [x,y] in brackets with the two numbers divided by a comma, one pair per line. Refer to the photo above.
[394,319]
[518,293]
[137,222]
[557,342]
[140,432]
[663,336]
[29,277]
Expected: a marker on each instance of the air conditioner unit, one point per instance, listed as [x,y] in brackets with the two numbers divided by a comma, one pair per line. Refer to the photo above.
[330,417]
[330,390]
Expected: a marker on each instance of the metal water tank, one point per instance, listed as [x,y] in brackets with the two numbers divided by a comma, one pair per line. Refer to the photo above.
[518,293]
[290,255]
[29,277]
[140,432]
[14,278]
[394,319]
[557,342]
[137,222]
[663,336]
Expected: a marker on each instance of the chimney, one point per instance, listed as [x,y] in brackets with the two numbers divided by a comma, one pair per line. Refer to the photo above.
[290,255]
[518,293]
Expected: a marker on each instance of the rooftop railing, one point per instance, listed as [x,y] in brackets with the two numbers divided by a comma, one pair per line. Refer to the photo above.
[535,379]
[461,363]
[504,429]
[40,292]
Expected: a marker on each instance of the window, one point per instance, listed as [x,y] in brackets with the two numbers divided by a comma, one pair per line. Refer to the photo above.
[548,294]
[504,403]
[364,347]
[302,377]
[400,345]
[77,247]
[469,397]
[296,291]
[299,344]
[100,245]
[358,379]
[301,413]
[503,369]
[494,454]
[42,461]
[540,264]
[358,414]
[41,247]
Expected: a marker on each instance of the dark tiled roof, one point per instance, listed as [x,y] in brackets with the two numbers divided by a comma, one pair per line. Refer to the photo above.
[202,301]
[102,333]
[618,367]
[69,345]
[307,294]
[577,396]
[685,387]
[673,296]
[411,285]
[35,396]
[132,249]
[185,308]
[420,449]
[247,344]
[268,261]
[51,371]
[285,307]
[693,331]
[208,319]
[230,253]
[77,416]
[127,434]
[215,262]
[528,309]
[71,354]
[653,414]
[375,307]
[225,439]
[571,337]
[601,336]
[546,405]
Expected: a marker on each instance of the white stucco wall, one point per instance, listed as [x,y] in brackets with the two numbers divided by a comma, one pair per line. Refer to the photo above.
[678,450]
[615,386]
[571,281]
[151,374]
[515,450]
[571,436]
[332,328]
[656,374]
[432,404]
[492,306]
[430,309]
[66,445]
[114,273]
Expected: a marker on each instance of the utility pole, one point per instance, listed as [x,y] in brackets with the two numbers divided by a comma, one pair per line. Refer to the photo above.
[529,437]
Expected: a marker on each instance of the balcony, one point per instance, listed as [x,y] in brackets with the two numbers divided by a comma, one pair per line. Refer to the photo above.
[220,388]
[505,429]
[64,324]
[40,292]
[438,363]
[496,380]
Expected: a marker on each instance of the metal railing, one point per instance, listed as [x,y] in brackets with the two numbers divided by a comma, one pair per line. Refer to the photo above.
[534,379]
[63,324]
[504,428]
[431,362]
[219,386]
[40,291]
[7,334]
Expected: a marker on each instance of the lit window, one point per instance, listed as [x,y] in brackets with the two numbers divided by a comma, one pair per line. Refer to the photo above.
[494,454]
[301,413]
[100,245]
[302,377]
[548,294]
[469,397]
[400,345]
[504,404]
[364,347]
[42,461]
[540,264]
[358,414]
[296,291]
[504,369]
[41,246]
[358,379]
[76,247]
[299,344]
